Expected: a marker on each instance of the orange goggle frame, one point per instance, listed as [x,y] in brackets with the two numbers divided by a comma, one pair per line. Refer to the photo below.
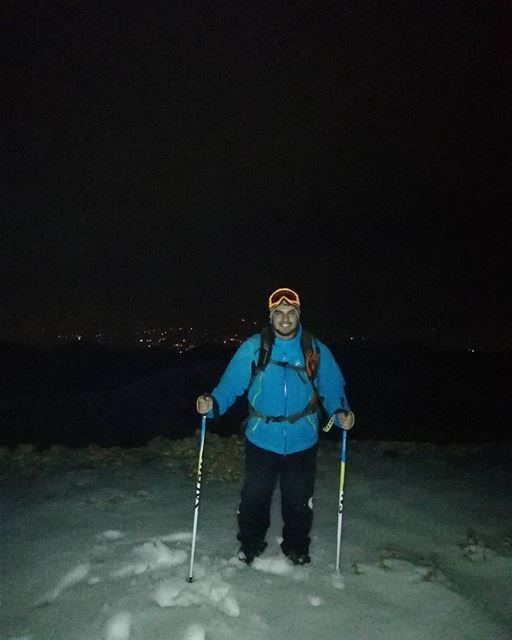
[283,294]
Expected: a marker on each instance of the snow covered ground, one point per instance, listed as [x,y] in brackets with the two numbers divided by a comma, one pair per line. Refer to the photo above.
[101,551]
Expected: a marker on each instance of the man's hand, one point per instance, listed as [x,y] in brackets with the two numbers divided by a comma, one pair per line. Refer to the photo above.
[204,404]
[346,419]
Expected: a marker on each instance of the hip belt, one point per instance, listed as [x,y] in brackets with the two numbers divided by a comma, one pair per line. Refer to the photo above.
[311,407]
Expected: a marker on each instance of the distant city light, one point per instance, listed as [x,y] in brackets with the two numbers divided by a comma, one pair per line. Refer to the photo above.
[184,338]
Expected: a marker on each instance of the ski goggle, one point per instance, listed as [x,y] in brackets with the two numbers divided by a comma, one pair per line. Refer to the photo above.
[283,294]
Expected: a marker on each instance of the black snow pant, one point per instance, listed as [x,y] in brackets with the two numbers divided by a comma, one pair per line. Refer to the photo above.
[296,473]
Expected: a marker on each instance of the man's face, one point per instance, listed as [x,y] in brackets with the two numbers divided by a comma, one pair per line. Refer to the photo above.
[285,319]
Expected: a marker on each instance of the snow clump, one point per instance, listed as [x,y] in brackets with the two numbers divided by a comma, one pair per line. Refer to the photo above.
[195,632]
[118,627]
[175,592]
[152,555]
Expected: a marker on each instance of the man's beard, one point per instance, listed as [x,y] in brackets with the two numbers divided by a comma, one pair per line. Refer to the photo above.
[287,332]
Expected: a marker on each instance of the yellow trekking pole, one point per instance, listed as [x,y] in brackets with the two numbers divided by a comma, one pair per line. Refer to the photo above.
[340,502]
[328,427]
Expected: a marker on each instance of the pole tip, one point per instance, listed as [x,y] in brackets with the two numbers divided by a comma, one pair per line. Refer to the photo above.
[190,579]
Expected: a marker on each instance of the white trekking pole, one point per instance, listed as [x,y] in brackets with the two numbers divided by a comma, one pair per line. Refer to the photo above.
[198,496]
[340,502]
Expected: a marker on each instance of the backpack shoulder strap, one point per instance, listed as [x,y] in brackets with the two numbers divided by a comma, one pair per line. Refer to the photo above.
[266,343]
[311,353]
[307,341]
[264,353]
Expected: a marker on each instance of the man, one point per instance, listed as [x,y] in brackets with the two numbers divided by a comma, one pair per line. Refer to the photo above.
[285,381]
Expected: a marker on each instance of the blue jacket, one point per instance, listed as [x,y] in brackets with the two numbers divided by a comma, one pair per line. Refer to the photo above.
[281,391]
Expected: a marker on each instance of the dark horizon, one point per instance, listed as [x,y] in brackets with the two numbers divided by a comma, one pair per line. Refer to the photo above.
[80,393]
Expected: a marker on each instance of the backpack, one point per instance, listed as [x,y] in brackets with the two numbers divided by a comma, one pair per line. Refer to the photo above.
[309,349]
[310,368]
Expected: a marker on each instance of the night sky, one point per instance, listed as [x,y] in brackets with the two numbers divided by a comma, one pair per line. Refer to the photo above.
[172,162]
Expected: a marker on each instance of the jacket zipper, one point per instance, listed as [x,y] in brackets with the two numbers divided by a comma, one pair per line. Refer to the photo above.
[253,430]
[285,404]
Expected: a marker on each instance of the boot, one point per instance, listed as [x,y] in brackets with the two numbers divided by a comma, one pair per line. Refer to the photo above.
[297,557]
[247,553]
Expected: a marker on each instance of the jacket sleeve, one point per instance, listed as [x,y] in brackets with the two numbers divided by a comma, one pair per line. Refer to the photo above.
[331,383]
[235,379]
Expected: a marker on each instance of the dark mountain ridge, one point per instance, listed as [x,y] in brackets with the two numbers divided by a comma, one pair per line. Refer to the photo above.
[84,393]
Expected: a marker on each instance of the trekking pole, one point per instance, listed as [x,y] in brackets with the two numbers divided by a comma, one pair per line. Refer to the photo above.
[340,504]
[198,496]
